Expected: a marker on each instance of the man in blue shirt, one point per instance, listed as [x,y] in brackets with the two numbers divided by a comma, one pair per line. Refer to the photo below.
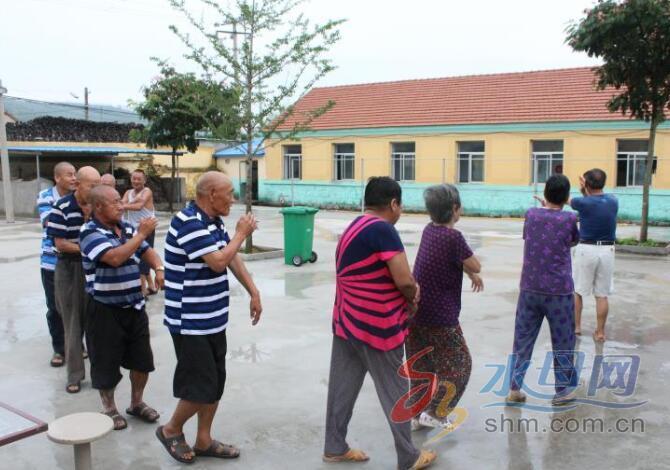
[198,254]
[593,264]
[65,179]
[117,327]
[65,221]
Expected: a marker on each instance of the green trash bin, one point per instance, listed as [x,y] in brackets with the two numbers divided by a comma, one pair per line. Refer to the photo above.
[299,235]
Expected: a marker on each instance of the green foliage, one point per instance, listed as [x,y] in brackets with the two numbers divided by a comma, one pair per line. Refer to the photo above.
[138,136]
[633,39]
[280,58]
[631,241]
[177,105]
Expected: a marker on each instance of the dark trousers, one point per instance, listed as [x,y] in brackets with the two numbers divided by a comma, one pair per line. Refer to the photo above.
[54,320]
[349,364]
[531,310]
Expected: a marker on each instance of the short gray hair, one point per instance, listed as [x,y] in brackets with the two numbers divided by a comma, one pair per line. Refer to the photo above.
[442,201]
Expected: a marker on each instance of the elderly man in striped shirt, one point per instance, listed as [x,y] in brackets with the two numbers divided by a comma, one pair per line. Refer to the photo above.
[118,327]
[65,179]
[198,253]
[65,221]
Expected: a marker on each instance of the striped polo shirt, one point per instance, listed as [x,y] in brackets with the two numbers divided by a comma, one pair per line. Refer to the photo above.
[120,286]
[196,298]
[45,200]
[65,219]
[368,306]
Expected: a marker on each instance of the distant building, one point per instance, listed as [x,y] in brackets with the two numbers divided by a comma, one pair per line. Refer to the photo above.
[498,137]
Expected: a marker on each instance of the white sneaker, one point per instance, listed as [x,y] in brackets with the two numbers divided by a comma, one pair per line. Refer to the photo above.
[416,425]
[430,422]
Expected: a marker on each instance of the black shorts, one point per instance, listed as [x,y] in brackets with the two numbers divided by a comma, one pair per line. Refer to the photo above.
[117,337]
[201,367]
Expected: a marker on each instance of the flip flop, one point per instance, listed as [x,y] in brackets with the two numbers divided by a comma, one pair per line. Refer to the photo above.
[144,412]
[425,460]
[352,455]
[119,421]
[219,450]
[176,446]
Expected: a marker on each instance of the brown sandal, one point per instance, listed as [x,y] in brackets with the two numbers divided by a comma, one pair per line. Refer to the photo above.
[144,412]
[352,455]
[119,421]
[73,388]
[176,446]
[57,360]
[219,450]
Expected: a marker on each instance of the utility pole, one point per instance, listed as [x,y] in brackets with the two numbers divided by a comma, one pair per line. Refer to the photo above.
[86,103]
[4,156]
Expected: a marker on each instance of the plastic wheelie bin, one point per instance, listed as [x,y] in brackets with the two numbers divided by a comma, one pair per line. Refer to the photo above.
[299,235]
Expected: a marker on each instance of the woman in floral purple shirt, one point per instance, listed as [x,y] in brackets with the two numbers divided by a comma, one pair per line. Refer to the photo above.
[442,258]
[546,290]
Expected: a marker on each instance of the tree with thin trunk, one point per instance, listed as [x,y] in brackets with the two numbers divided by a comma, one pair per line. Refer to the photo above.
[632,37]
[280,58]
[178,105]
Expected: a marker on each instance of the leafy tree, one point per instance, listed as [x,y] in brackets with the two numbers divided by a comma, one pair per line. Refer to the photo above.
[281,57]
[177,105]
[632,37]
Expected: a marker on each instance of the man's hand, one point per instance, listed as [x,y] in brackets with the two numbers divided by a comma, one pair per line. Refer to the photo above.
[255,308]
[540,200]
[160,280]
[147,226]
[246,225]
[582,186]
[477,282]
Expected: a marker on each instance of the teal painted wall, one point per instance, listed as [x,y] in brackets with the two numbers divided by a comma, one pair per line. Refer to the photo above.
[483,200]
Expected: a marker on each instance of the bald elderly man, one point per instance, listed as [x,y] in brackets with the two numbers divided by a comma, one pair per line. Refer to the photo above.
[108,180]
[117,328]
[198,253]
[65,179]
[63,226]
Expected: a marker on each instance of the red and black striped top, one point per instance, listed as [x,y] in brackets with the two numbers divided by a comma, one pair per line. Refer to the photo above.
[368,306]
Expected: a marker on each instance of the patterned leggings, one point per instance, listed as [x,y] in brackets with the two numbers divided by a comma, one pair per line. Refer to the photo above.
[531,310]
[450,360]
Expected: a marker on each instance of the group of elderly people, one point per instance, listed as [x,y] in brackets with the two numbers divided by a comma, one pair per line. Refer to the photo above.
[386,318]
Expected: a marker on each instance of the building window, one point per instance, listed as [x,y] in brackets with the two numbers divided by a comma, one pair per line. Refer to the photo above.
[471,162]
[547,159]
[344,161]
[403,161]
[292,162]
[631,162]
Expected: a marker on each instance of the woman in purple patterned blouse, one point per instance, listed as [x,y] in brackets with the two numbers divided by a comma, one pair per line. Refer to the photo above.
[442,258]
[546,290]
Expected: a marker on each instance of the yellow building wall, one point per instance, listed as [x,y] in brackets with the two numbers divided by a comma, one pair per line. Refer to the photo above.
[507,155]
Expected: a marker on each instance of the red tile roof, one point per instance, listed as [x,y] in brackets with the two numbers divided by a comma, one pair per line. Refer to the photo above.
[541,96]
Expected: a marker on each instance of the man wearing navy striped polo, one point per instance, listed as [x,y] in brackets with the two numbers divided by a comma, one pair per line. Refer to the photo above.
[65,179]
[117,327]
[198,252]
[65,221]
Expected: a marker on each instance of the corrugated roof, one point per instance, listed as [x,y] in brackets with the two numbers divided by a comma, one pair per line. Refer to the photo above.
[24,109]
[88,150]
[239,150]
[540,96]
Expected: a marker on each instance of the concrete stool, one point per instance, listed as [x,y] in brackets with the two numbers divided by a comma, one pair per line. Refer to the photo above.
[80,429]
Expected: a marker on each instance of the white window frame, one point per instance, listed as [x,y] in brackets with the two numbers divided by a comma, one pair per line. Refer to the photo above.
[551,157]
[291,159]
[470,156]
[340,159]
[631,158]
[403,157]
